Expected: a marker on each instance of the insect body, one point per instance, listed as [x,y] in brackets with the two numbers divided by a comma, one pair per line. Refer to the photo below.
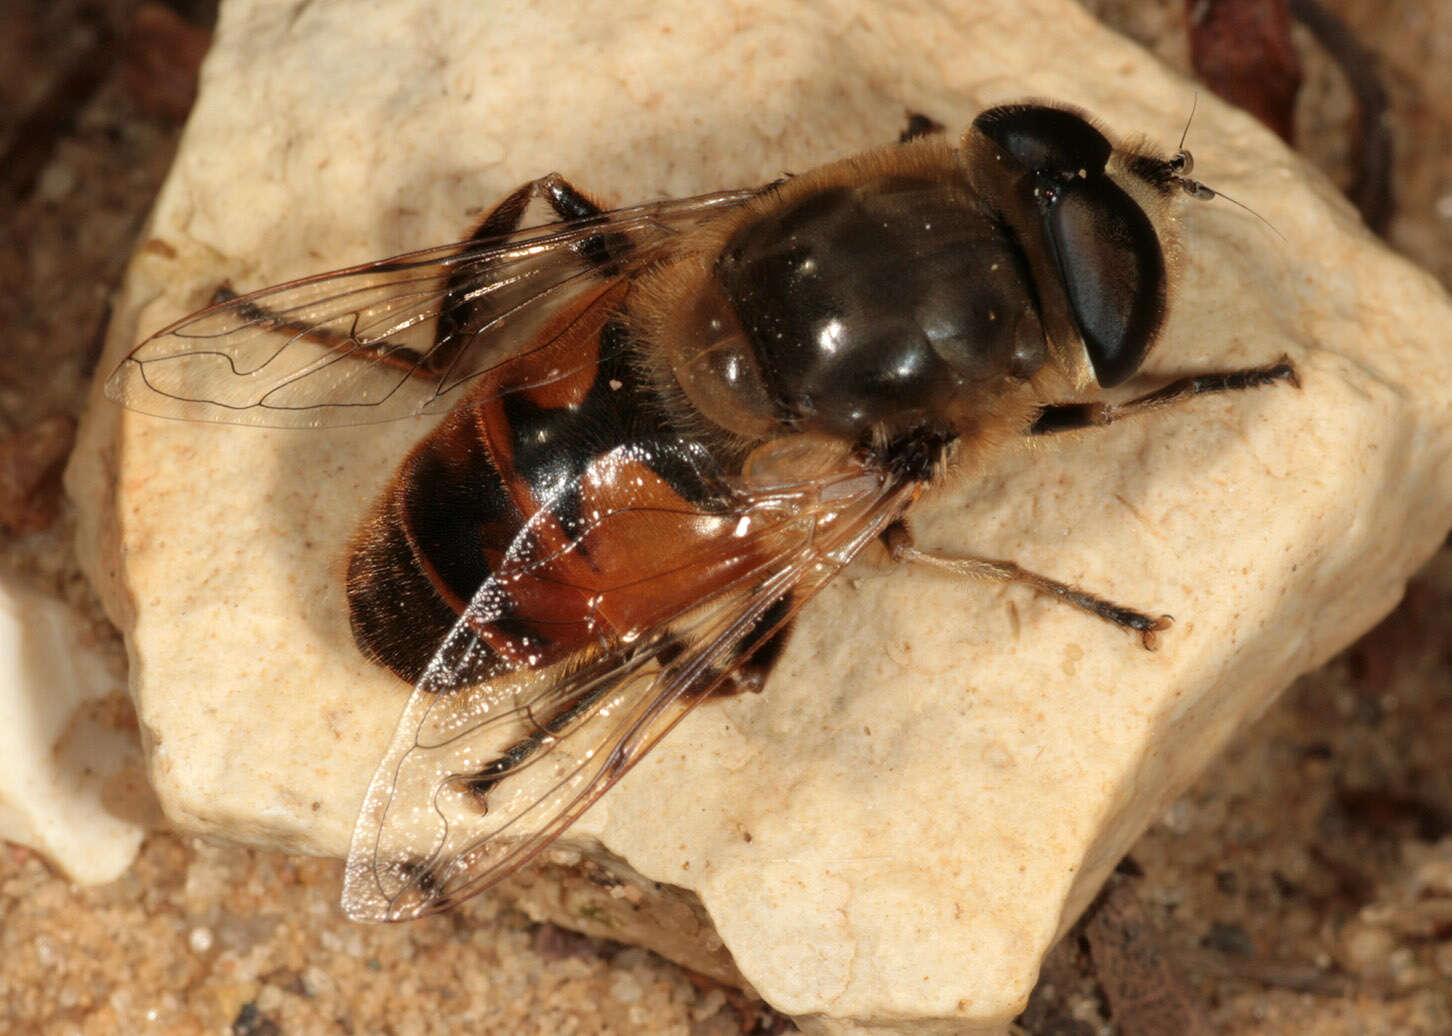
[666,428]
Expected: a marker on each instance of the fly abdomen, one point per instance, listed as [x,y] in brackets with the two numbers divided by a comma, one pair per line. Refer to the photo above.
[440,532]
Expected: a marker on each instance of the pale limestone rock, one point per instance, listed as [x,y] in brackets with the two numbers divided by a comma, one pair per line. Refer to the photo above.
[58,756]
[940,773]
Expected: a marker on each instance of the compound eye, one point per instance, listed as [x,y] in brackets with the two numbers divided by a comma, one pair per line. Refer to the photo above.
[1114,274]
[1047,141]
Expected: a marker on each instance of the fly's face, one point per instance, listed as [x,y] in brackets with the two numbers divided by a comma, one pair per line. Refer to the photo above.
[664,429]
[1093,222]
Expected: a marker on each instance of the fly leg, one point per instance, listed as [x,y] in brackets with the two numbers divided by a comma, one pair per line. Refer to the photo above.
[759,651]
[572,205]
[900,544]
[919,125]
[546,730]
[1065,417]
[462,316]
[752,658]
[459,313]
[1068,417]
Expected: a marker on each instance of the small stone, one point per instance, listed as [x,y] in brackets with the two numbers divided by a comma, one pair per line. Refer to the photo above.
[708,1005]
[625,988]
[56,180]
[1229,938]
[1442,959]
[1179,818]
[59,746]
[1365,949]
[1433,878]
[316,982]
[722,1023]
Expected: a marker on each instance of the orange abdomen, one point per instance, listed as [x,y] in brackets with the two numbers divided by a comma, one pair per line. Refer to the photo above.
[562,490]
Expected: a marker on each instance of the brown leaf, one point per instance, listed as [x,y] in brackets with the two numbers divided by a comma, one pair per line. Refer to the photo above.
[1242,50]
[1145,994]
[163,60]
[31,461]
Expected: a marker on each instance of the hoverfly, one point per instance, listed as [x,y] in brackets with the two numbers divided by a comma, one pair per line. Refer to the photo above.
[665,428]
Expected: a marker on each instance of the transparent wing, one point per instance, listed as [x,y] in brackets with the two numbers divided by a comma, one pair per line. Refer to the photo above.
[480,779]
[394,338]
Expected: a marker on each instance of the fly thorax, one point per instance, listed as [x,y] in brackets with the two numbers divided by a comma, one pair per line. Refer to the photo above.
[880,305]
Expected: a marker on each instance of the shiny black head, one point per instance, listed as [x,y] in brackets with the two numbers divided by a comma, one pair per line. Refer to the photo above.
[1106,253]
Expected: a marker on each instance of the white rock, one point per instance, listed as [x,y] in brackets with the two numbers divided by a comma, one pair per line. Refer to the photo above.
[57,756]
[940,773]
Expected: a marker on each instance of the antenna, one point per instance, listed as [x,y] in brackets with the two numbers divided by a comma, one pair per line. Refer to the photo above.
[1180,165]
[1194,103]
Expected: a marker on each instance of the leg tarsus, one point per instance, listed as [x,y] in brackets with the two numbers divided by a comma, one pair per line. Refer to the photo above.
[568,202]
[1068,417]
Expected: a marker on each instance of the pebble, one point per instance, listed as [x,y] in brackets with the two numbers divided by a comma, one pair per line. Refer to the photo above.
[1365,949]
